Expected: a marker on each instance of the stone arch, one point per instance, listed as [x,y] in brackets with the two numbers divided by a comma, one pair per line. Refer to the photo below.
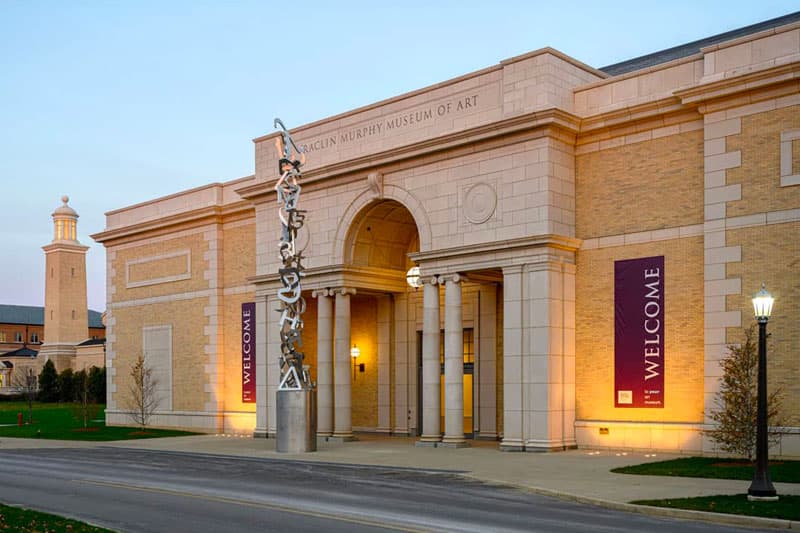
[367,198]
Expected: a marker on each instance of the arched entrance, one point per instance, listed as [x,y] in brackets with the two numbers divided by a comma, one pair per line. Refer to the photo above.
[376,251]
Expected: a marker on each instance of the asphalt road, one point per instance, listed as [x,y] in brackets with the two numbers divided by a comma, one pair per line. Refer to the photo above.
[151,491]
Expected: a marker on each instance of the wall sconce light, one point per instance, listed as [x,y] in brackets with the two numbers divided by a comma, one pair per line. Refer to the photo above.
[354,353]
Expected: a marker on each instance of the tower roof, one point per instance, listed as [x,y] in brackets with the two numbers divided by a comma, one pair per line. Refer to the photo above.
[65,209]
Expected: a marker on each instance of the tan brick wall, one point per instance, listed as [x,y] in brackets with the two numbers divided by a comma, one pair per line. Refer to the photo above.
[188,342]
[771,256]
[66,316]
[194,243]
[760,173]
[239,255]
[683,363]
[232,351]
[661,181]
[168,266]
[364,333]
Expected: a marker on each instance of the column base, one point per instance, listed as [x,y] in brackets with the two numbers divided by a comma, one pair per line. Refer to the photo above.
[512,445]
[260,433]
[324,434]
[428,442]
[454,444]
[341,437]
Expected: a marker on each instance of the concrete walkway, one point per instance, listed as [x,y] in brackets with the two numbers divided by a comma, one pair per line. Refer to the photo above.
[580,475]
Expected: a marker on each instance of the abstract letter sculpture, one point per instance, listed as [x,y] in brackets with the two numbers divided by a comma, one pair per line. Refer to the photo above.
[293,375]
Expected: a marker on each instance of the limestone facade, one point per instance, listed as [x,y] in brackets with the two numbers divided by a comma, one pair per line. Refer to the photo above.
[514,189]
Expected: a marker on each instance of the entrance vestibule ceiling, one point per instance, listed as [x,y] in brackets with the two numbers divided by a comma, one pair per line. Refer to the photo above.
[382,236]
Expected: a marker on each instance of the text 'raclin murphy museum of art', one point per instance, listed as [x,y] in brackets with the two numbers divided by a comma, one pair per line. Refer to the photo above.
[588,243]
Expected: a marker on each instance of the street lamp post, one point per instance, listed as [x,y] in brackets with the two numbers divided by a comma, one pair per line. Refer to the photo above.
[761,488]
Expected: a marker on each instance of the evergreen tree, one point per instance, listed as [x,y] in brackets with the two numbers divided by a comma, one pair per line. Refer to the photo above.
[48,383]
[737,400]
[66,385]
[97,384]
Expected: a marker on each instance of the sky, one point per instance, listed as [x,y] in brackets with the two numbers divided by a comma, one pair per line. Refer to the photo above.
[118,102]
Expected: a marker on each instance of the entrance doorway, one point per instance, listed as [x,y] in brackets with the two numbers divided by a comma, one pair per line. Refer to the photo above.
[469,370]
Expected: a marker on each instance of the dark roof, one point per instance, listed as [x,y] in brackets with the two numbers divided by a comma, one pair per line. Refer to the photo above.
[91,342]
[22,352]
[34,316]
[694,47]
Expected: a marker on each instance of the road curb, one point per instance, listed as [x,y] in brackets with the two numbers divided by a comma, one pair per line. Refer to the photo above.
[664,512]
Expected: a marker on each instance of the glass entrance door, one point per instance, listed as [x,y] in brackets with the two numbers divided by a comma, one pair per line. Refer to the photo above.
[469,369]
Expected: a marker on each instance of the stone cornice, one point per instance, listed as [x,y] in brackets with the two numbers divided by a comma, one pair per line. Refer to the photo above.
[749,82]
[65,247]
[163,225]
[624,116]
[552,241]
[556,119]
[364,279]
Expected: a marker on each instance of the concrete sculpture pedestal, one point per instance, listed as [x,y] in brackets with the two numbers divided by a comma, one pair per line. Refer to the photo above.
[296,421]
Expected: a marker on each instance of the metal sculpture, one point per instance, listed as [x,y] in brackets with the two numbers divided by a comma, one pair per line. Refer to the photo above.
[293,375]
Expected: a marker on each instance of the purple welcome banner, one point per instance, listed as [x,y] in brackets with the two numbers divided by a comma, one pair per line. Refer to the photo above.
[639,332]
[248,352]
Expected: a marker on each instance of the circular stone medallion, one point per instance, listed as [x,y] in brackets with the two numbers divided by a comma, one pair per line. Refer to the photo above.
[479,203]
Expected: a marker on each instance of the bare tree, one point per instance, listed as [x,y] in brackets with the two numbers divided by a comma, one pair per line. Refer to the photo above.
[25,381]
[142,399]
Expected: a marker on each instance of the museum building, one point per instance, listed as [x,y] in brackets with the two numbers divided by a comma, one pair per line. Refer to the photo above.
[588,243]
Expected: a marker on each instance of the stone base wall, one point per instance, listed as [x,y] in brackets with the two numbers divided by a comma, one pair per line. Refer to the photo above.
[234,423]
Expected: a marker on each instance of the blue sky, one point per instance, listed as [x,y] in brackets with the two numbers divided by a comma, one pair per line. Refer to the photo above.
[117,102]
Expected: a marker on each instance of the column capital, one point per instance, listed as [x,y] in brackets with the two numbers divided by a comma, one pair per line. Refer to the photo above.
[513,269]
[455,278]
[433,280]
[344,291]
[321,292]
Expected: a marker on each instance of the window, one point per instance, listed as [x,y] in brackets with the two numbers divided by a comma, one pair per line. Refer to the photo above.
[468,347]
[18,337]
[2,336]
[34,338]
[73,314]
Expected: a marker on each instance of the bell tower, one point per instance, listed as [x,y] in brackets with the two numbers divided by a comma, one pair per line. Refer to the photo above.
[66,315]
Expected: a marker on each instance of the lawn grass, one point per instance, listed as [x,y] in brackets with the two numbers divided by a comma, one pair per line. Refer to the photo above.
[714,467]
[787,507]
[16,519]
[61,421]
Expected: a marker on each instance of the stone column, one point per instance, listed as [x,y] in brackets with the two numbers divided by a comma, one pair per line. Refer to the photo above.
[342,425]
[384,363]
[262,378]
[453,364]
[402,349]
[324,362]
[273,361]
[431,408]
[487,362]
[513,320]
[549,367]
